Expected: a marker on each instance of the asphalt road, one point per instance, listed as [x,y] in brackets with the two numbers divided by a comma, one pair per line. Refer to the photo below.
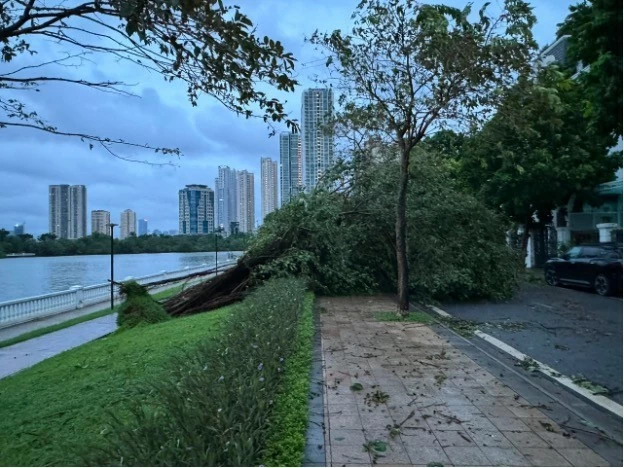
[575,332]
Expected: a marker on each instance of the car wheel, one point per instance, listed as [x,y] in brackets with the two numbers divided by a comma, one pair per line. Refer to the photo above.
[551,277]
[602,285]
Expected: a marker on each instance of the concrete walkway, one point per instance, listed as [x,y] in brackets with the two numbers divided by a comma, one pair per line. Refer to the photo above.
[422,401]
[22,355]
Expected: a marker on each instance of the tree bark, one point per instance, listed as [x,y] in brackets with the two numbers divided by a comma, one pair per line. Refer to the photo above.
[401,237]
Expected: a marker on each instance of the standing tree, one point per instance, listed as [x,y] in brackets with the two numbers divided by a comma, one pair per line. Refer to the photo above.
[595,30]
[537,151]
[209,46]
[408,69]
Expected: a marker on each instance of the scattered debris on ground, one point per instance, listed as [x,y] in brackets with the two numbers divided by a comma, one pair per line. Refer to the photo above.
[529,364]
[594,388]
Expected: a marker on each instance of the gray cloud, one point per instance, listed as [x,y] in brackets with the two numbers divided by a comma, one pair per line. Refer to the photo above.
[208,134]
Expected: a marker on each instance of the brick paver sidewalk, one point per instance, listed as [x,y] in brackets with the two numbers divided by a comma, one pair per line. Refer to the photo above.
[444,408]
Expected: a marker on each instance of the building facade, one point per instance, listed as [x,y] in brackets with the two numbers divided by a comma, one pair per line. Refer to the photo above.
[142,227]
[291,166]
[19,229]
[196,210]
[246,202]
[226,199]
[127,224]
[100,219]
[77,211]
[268,185]
[67,210]
[317,108]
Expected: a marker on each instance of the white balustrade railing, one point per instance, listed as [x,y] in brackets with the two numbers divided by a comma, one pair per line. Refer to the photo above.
[77,297]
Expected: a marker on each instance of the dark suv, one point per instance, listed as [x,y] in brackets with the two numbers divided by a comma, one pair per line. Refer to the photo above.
[596,266]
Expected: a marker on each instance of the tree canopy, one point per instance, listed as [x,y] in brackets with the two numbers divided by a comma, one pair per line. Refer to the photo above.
[536,152]
[211,47]
[407,69]
[595,29]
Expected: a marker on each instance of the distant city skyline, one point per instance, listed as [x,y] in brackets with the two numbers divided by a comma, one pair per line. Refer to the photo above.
[208,135]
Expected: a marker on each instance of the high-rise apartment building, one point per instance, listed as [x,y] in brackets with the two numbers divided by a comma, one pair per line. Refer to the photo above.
[142,227]
[291,167]
[67,211]
[246,201]
[100,219]
[77,211]
[268,185]
[127,224]
[226,199]
[317,107]
[196,205]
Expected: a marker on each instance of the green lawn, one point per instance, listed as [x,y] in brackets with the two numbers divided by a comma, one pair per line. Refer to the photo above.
[84,318]
[64,402]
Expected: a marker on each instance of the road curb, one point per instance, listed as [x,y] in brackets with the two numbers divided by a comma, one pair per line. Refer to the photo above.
[546,370]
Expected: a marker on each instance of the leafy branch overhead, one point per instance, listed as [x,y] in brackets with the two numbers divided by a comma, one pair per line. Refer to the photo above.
[211,47]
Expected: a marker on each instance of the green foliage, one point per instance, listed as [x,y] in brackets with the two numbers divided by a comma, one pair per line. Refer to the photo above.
[343,242]
[285,445]
[217,405]
[595,29]
[99,244]
[537,151]
[210,47]
[320,245]
[76,390]
[139,307]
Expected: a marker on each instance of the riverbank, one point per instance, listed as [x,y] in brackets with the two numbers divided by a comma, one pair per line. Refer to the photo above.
[35,276]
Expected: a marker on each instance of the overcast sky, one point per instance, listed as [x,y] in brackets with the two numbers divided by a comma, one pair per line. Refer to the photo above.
[208,135]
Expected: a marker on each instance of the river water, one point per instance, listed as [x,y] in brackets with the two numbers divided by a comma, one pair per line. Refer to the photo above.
[31,276]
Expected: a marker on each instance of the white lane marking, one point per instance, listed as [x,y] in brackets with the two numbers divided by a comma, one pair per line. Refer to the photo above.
[600,400]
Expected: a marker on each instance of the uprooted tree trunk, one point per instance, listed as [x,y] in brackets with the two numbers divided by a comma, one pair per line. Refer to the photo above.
[226,288]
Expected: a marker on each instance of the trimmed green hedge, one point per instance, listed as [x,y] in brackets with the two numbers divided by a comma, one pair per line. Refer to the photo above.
[286,444]
[220,403]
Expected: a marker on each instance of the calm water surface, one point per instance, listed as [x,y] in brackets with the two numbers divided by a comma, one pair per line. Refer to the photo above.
[32,276]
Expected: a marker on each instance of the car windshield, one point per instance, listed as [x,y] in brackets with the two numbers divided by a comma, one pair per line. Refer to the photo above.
[574,252]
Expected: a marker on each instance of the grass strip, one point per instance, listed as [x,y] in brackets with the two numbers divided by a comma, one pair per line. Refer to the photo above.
[216,406]
[83,318]
[287,439]
[417,316]
[63,403]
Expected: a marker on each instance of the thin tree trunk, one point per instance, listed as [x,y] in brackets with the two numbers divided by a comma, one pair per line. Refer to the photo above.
[401,237]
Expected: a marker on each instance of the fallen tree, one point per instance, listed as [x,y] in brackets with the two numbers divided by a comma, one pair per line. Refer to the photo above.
[341,241]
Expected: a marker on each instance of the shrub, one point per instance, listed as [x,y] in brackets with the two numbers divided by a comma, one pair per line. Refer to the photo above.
[139,307]
[216,408]
[286,443]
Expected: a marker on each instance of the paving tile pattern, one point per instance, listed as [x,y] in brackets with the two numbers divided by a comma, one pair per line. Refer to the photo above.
[425,400]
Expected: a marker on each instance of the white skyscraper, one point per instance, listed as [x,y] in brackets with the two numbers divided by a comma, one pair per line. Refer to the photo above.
[317,107]
[246,201]
[268,185]
[99,221]
[127,224]
[226,199]
[68,211]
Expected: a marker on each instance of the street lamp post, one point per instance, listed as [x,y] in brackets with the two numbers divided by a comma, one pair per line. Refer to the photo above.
[112,273]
